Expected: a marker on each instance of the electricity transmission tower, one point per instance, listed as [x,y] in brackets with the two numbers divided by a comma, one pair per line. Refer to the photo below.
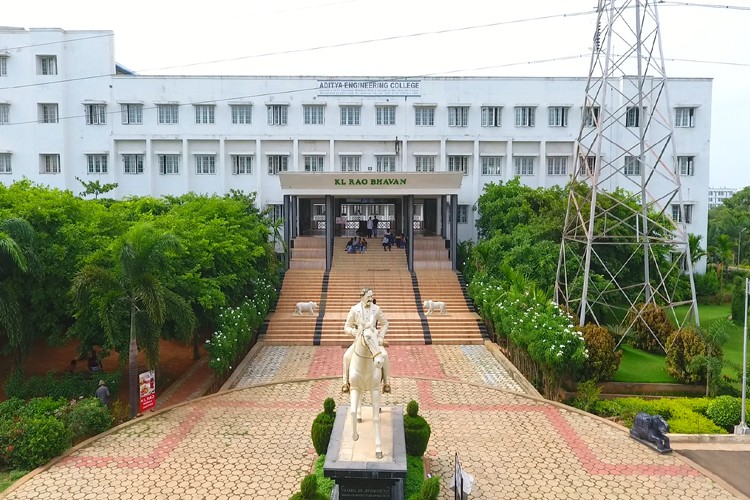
[625,248]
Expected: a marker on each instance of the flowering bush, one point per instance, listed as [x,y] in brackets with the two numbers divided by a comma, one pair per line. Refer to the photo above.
[237,328]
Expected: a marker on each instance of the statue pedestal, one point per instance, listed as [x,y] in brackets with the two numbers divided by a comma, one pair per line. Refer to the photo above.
[353,465]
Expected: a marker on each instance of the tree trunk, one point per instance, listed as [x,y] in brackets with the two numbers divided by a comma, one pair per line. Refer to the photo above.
[133,366]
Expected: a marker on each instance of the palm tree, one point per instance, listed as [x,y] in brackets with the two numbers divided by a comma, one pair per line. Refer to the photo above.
[133,295]
[696,252]
[721,254]
[17,257]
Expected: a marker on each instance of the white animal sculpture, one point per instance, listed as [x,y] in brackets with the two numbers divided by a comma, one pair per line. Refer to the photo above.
[365,372]
[433,305]
[302,307]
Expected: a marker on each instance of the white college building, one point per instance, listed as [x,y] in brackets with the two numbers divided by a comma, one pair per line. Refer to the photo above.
[317,149]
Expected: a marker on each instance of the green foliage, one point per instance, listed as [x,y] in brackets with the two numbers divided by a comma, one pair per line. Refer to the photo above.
[96,187]
[412,408]
[725,411]
[414,477]
[416,431]
[238,327]
[587,395]
[738,300]
[603,360]
[686,345]
[322,427]
[308,489]
[329,406]
[325,484]
[684,415]
[707,284]
[67,386]
[430,490]
[650,325]
[35,441]
[86,418]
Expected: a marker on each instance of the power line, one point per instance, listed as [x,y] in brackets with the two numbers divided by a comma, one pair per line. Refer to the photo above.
[707,5]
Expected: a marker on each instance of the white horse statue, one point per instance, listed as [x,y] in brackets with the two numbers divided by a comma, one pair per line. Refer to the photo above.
[365,373]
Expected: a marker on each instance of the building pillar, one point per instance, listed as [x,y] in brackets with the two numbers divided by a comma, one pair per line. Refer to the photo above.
[454,231]
[409,202]
[287,210]
[444,216]
[330,230]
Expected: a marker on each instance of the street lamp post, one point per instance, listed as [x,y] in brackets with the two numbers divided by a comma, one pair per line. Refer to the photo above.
[742,428]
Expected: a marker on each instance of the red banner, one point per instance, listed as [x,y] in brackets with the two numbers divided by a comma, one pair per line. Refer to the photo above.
[147,388]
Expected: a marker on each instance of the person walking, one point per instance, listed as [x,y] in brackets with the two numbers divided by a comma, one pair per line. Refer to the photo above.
[375,222]
[369,227]
[103,393]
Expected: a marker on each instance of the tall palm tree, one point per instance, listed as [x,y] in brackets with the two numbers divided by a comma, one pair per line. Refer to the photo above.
[721,254]
[16,258]
[696,252]
[133,296]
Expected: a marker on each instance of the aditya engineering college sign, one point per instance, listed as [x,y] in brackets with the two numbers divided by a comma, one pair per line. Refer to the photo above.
[369,87]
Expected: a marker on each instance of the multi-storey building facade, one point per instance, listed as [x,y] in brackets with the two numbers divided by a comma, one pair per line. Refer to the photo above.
[716,196]
[323,151]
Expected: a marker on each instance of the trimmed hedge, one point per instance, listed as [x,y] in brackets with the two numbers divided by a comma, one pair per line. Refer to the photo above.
[684,415]
[68,386]
[416,430]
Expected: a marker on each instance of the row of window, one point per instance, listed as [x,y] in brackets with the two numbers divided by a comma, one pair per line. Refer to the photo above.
[243,164]
[314,114]
[45,65]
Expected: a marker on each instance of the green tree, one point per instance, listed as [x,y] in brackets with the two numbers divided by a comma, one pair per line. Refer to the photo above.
[96,187]
[721,255]
[133,294]
[714,337]
[17,261]
[696,252]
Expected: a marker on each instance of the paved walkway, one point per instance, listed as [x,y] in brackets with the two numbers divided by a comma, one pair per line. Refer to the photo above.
[253,441]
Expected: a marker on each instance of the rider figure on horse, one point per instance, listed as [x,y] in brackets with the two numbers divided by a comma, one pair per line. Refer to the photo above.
[366,313]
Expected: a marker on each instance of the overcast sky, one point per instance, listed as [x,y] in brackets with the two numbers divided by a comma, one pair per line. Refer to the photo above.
[477,37]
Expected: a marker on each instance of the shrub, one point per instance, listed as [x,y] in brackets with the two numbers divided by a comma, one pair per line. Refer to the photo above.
[68,386]
[43,407]
[725,411]
[325,484]
[738,299]
[11,407]
[322,427]
[308,489]
[430,490]
[414,476]
[686,345]
[587,395]
[603,361]
[706,284]
[85,418]
[416,430]
[652,322]
[40,439]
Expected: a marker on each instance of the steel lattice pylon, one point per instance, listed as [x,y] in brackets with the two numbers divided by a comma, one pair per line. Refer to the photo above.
[618,227]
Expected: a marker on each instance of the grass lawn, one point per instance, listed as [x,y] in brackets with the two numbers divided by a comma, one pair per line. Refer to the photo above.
[8,477]
[640,366]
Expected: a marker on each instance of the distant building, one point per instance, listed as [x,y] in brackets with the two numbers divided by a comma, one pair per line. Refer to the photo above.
[319,151]
[716,196]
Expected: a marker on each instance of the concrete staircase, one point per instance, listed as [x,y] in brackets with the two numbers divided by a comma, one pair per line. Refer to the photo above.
[399,293]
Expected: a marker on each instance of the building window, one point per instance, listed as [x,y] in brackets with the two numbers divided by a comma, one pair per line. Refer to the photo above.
[169,164]
[350,115]
[492,116]
[48,113]
[242,114]
[590,116]
[205,164]
[424,116]
[314,114]
[276,212]
[492,165]
[385,115]
[558,116]
[557,165]
[242,164]
[314,163]
[458,116]
[97,164]
[632,166]
[588,166]
[458,164]
[350,163]
[277,114]
[385,163]
[687,212]
[3,65]
[47,65]
[425,163]
[525,116]
[686,165]
[132,164]
[278,163]
[169,114]
[204,113]
[49,164]
[132,114]
[462,214]
[633,116]
[523,165]
[684,117]
[5,166]
[4,113]
[96,114]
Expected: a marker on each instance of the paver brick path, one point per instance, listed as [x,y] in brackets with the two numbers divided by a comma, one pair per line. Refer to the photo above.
[253,442]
